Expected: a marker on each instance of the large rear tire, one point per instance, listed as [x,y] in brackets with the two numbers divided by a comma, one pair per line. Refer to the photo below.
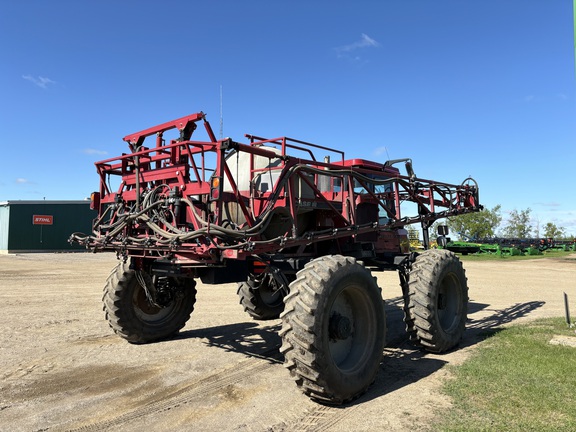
[333,329]
[437,300]
[133,317]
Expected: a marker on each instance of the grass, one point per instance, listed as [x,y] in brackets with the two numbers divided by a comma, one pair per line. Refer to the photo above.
[517,381]
[494,257]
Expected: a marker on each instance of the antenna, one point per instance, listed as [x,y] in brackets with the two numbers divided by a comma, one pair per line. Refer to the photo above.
[221,118]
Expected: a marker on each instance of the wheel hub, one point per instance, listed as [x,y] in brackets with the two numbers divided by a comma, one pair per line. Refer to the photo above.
[340,327]
[441,301]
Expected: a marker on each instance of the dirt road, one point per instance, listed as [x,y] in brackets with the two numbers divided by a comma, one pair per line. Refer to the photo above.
[62,368]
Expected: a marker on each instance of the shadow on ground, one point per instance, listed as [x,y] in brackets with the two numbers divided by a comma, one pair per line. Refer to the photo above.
[402,364]
[248,338]
[478,329]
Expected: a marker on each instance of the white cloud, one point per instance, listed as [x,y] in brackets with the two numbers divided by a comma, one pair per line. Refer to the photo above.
[364,42]
[561,218]
[21,180]
[41,82]
[91,151]
[549,204]
[380,151]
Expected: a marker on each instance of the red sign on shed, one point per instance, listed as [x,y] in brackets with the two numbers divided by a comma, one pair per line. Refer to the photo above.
[42,220]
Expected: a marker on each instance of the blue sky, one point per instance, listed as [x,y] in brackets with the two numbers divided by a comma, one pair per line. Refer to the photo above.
[463,88]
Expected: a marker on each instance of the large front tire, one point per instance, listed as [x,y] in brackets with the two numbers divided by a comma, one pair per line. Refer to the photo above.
[333,329]
[437,300]
[132,316]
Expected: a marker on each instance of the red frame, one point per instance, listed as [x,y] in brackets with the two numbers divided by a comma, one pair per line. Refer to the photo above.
[181,165]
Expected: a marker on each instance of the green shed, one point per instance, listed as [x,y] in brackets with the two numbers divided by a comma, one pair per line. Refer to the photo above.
[42,226]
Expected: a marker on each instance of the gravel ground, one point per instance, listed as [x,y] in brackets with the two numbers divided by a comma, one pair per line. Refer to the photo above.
[63,369]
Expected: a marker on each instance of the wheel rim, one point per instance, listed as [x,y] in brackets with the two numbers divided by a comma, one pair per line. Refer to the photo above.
[270,297]
[351,328]
[270,290]
[449,302]
[147,312]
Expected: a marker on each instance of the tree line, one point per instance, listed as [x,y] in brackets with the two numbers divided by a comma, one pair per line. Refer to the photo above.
[487,224]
